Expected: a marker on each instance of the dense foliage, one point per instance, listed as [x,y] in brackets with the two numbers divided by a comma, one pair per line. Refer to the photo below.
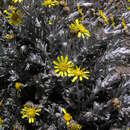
[64,65]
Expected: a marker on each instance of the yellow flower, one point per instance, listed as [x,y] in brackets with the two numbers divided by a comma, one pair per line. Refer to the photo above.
[101,14]
[17,1]
[50,3]
[14,16]
[62,66]
[18,86]
[74,126]
[79,73]
[78,28]
[9,37]
[67,117]
[30,112]
[1,121]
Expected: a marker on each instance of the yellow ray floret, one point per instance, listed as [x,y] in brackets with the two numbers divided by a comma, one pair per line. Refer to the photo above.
[13,15]
[50,3]
[30,112]
[17,1]
[79,73]
[78,28]
[102,15]
[63,66]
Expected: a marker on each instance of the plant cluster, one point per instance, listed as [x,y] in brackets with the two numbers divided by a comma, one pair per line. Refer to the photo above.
[64,64]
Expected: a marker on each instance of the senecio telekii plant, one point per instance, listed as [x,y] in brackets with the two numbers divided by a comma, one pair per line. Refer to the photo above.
[49,49]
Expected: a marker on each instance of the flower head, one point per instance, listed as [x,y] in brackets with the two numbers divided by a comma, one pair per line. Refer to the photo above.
[50,3]
[14,16]
[17,1]
[79,73]
[30,111]
[78,28]
[9,37]
[74,126]
[67,116]
[18,86]
[63,66]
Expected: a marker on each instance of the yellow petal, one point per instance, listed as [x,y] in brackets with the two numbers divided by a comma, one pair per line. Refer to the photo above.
[56,67]
[87,34]
[75,78]
[86,72]
[79,34]
[57,70]
[38,114]
[29,120]
[38,110]
[61,74]
[62,58]
[69,62]
[83,36]
[77,21]
[85,77]
[64,111]
[58,58]
[77,67]
[70,75]
[65,73]
[66,59]
[24,116]
[80,78]
[56,63]
[32,120]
